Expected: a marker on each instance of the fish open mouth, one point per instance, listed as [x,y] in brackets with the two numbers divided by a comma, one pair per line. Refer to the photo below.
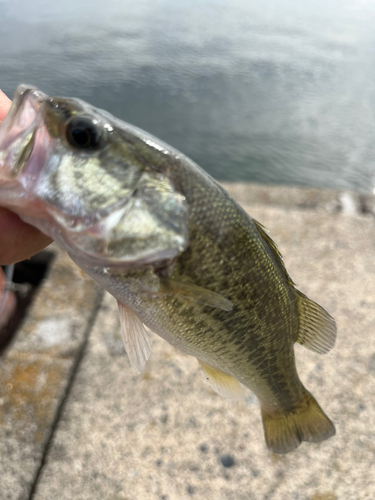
[22,147]
[17,132]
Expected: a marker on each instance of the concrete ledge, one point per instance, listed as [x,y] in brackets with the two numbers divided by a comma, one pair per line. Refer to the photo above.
[35,371]
[165,435]
[327,200]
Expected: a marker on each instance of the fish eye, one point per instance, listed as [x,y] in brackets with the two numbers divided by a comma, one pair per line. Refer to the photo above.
[83,133]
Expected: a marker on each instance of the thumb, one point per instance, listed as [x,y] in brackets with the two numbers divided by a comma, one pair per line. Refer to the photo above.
[5,104]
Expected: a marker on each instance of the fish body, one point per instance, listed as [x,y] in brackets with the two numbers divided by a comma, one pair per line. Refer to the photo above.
[175,250]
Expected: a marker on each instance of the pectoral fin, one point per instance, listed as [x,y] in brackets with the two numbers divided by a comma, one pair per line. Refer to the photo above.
[197,293]
[136,339]
[222,383]
[317,329]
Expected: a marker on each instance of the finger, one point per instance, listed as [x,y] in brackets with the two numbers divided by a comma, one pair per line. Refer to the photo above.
[5,104]
[19,240]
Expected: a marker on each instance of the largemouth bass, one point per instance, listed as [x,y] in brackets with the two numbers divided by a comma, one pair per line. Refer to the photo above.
[178,254]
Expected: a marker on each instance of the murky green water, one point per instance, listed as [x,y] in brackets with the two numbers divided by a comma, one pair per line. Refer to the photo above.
[279,91]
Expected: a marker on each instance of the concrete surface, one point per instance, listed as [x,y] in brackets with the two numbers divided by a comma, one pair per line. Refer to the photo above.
[166,435]
[35,371]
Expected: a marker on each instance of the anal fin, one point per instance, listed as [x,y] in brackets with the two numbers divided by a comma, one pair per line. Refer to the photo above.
[136,339]
[222,383]
[317,329]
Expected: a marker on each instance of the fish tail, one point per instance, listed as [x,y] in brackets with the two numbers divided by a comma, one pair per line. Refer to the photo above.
[305,422]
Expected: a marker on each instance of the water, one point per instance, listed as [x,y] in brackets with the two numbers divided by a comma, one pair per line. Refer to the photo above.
[279,91]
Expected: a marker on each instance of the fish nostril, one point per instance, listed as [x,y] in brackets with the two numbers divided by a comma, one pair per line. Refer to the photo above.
[57,108]
[51,102]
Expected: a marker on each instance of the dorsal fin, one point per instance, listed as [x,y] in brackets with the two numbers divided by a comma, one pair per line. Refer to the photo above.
[274,250]
[222,383]
[317,329]
[135,336]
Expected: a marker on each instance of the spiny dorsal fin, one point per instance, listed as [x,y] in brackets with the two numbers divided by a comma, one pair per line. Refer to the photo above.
[136,339]
[222,383]
[317,329]
[275,251]
[197,293]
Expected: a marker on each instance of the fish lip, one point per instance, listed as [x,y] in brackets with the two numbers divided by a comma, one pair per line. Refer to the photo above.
[22,93]
[36,96]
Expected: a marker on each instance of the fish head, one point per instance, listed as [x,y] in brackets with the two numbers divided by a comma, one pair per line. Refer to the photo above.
[101,188]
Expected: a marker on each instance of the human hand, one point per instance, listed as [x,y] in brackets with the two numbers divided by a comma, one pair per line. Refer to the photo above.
[18,240]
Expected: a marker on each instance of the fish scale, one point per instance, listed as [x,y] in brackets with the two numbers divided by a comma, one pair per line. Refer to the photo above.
[240,320]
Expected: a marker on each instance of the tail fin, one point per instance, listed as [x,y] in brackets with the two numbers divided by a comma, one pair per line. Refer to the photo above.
[306,422]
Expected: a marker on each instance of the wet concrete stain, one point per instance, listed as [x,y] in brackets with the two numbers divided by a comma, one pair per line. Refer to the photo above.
[29,393]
